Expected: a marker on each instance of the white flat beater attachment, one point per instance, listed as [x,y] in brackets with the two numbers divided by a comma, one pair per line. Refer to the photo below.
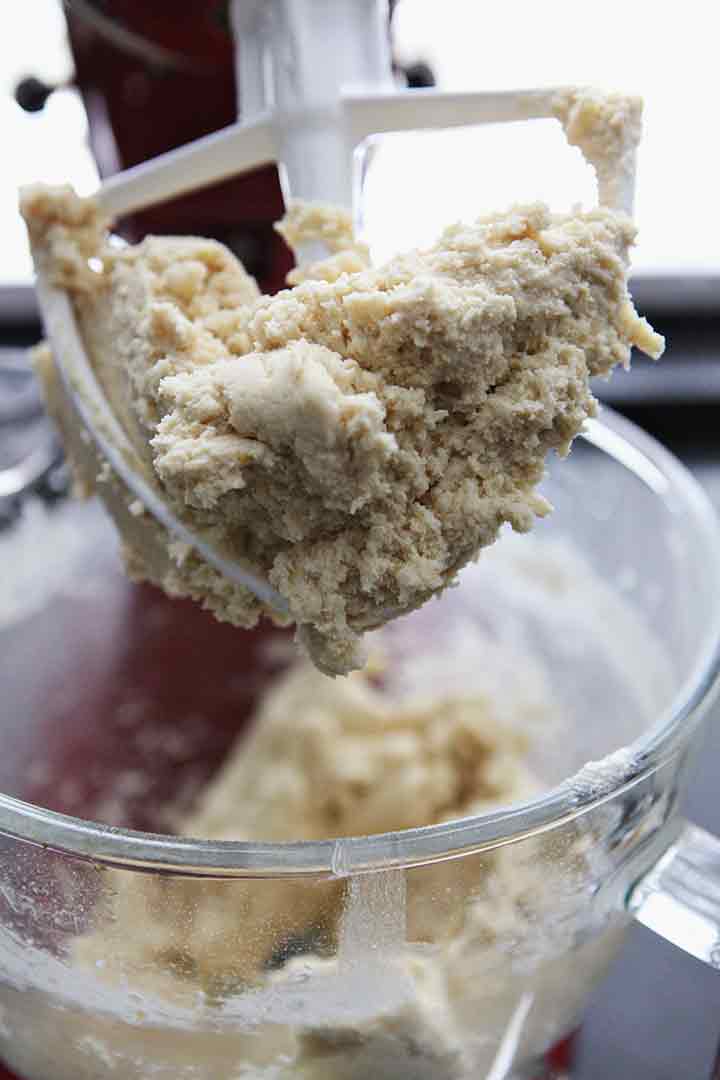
[314,82]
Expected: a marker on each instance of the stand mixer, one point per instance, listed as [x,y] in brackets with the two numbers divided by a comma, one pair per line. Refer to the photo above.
[308,108]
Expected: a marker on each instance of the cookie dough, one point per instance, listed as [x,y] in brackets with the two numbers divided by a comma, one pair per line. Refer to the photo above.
[607,129]
[354,440]
[326,758]
[404,974]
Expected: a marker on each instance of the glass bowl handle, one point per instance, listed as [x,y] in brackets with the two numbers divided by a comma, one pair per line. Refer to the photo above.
[679,898]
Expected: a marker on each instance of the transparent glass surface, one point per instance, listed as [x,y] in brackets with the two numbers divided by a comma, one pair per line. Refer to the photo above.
[462,950]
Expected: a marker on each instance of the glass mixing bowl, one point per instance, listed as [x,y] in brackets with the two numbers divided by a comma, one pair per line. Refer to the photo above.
[464,949]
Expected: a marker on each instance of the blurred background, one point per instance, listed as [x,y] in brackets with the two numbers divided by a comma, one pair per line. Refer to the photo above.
[92,86]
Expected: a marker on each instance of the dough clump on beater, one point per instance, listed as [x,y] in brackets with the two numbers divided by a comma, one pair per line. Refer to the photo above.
[359,437]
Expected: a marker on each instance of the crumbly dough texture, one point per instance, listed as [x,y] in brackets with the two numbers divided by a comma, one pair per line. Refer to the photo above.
[327,758]
[607,129]
[321,223]
[337,757]
[356,439]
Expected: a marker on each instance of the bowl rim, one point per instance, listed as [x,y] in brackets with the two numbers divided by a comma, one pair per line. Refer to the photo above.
[637,451]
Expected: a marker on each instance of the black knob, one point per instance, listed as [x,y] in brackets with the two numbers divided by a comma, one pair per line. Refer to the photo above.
[419,74]
[31,94]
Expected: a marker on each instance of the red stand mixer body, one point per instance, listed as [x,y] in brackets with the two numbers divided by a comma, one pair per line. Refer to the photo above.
[154,77]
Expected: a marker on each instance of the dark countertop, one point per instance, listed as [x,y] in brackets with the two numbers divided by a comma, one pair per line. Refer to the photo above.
[657,1015]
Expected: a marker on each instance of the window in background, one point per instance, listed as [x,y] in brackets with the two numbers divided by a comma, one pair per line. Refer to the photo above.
[666,53]
[48,145]
[419,183]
